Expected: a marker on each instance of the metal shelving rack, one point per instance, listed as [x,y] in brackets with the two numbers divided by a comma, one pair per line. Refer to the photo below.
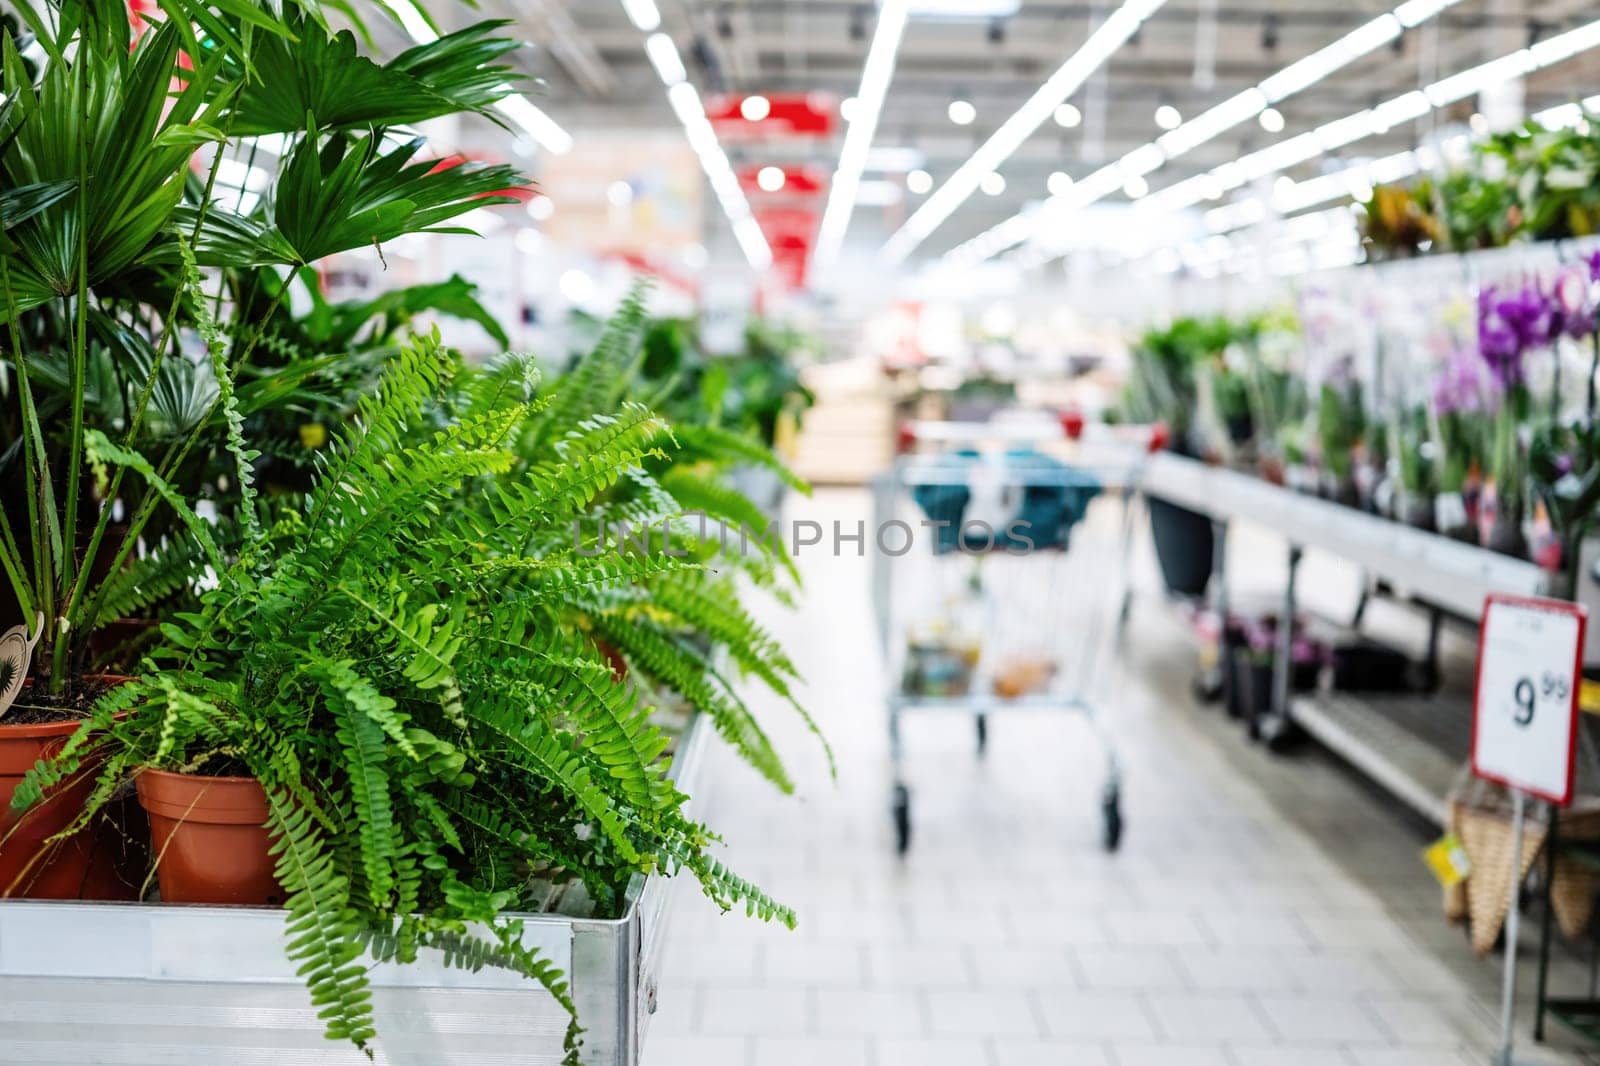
[1411,745]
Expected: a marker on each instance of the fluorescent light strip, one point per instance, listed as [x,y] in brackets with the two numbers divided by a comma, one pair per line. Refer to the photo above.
[876,73]
[1372,121]
[1355,180]
[1294,78]
[643,14]
[1358,177]
[691,112]
[545,131]
[664,57]
[1109,36]
[686,104]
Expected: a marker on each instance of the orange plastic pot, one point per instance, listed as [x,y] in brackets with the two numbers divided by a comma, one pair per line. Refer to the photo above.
[209,838]
[29,866]
[84,866]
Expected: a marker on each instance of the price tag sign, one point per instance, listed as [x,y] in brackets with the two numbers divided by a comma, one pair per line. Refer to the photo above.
[1525,717]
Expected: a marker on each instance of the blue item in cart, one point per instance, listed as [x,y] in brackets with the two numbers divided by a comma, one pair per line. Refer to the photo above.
[1045,516]
[1048,511]
[944,505]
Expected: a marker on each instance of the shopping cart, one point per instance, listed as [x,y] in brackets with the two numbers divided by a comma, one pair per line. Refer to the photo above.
[1000,575]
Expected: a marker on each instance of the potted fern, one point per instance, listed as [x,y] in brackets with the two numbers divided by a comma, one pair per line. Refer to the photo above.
[106,231]
[390,668]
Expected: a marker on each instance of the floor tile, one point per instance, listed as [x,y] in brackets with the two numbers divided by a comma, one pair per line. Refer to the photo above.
[1207,1018]
[730,1011]
[1010,1052]
[1321,1020]
[1132,1054]
[1014,967]
[975,1013]
[947,1051]
[696,1051]
[810,1051]
[1128,968]
[1097,1015]
[869,1012]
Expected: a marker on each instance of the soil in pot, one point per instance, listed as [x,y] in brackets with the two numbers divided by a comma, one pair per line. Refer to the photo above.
[31,866]
[209,839]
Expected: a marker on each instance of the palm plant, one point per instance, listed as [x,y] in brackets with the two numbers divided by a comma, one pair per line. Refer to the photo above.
[109,235]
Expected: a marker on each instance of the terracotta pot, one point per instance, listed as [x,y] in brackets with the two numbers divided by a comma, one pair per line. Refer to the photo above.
[85,866]
[209,838]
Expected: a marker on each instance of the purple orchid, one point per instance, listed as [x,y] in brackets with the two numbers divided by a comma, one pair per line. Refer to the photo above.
[1512,324]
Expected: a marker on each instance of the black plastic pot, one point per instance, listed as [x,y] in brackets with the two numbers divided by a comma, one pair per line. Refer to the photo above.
[1184,547]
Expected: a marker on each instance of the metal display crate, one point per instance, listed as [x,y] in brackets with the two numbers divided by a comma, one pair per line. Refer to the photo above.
[154,985]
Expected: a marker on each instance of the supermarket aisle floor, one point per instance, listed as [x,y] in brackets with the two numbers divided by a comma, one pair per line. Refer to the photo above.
[1263,910]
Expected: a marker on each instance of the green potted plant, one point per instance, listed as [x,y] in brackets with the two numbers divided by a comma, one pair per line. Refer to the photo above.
[391,675]
[107,328]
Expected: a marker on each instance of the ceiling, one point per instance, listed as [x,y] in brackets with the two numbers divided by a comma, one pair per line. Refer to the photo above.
[597,76]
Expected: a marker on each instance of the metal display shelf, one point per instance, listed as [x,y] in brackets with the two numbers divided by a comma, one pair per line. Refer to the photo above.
[1436,569]
[154,985]
[1412,746]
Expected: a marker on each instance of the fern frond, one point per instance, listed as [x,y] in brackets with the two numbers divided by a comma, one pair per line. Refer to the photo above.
[323,928]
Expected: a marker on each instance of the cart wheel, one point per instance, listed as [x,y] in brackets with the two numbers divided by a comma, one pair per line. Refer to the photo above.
[902,819]
[983,733]
[1111,812]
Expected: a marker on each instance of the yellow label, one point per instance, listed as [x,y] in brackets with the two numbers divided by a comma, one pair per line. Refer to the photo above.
[1448,860]
[1589,696]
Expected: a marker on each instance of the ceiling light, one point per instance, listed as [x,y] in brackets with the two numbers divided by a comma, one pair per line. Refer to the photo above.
[541,207]
[876,74]
[1251,102]
[702,138]
[620,193]
[961,112]
[770,179]
[755,108]
[664,57]
[1306,72]
[1135,187]
[1213,122]
[1067,116]
[1485,75]
[643,14]
[1058,183]
[919,182]
[1168,118]
[847,109]
[535,123]
[1106,38]
[993,183]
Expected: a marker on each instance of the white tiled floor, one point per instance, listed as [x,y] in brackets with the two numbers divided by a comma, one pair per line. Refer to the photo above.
[1264,911]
